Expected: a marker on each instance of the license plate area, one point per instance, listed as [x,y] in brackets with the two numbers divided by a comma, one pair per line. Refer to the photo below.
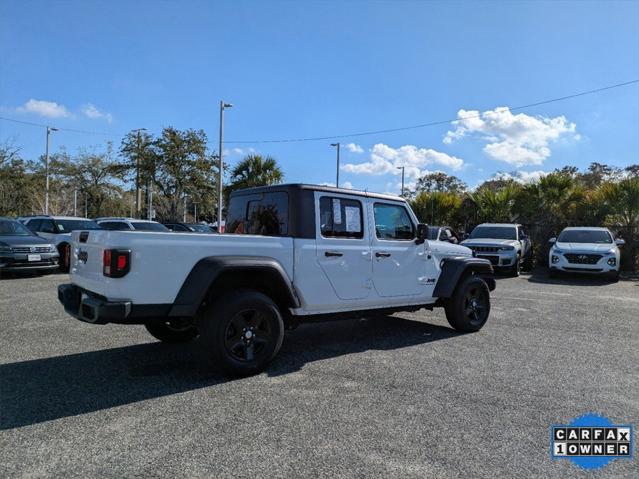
[34,257]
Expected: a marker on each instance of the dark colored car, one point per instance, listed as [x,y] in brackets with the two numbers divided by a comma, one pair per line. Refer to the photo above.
[22,250]
[189,228]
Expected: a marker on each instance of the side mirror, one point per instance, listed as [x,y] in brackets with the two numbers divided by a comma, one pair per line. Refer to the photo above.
[552,240]
[620,242]
[422,233]
[523,237]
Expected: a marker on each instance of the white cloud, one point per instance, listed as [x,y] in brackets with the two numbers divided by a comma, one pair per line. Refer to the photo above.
[48,109]
[515,139]
[91,111]
[354,148]
[520,176]
[386,160]
[239,151]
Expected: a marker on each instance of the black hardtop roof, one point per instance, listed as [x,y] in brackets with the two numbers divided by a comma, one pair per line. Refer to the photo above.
[304,186]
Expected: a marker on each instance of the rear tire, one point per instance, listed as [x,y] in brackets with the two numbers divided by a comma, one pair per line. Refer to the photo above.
[172,331]
[468,309]
[241,333]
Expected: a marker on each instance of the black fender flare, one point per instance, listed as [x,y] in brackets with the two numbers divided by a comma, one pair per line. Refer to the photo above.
[207,270]
[454,268]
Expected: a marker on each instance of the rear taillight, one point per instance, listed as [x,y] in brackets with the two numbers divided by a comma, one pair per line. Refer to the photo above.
[116,263]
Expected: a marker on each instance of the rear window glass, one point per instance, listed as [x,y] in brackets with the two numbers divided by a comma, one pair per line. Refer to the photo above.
[341,218]
[264,214]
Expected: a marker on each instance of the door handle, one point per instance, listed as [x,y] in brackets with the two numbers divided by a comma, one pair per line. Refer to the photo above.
[382,254]
[329,254]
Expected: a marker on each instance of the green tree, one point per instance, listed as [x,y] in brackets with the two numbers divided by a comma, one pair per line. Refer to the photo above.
[436,207]
[439,181]
[255,170]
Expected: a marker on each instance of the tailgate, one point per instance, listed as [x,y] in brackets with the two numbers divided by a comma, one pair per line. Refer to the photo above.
[86,260]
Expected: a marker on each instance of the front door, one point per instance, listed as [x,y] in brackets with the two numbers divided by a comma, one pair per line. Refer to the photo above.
[399,266]
[343,245]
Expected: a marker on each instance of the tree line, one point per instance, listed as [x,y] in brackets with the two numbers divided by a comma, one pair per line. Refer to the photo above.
[175,170]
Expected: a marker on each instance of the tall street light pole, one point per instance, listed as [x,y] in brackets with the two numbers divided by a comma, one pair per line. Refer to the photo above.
[138,190]
[46,168]
[75,202]
[220,189]
[337,178]
[402,168]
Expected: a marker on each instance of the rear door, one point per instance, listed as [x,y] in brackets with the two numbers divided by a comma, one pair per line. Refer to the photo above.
[343,244]
[399,266]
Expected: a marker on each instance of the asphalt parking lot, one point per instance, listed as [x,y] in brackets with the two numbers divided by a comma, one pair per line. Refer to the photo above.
[400,396]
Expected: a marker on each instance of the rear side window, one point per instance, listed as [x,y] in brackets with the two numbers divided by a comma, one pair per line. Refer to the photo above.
[263,214]
[341,218]
[142,226]
[392,222]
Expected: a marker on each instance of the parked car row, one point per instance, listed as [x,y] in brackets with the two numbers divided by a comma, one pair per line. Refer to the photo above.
[43,242]
[590,250]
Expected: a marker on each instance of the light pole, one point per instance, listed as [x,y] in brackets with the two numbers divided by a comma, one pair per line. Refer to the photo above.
[75,202]
[138,191]
[402,168]
[150,195]
[46,168]
[337,178]
[220,173]
[184,210]
[195,213]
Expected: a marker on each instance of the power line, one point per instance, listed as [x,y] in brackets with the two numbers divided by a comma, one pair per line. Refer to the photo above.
[356,134]
[433,123]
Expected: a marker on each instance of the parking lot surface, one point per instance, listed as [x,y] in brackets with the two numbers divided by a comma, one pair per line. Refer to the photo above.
[400,396]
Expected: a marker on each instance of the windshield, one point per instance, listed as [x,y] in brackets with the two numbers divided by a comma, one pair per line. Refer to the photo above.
[139,226]
[66,226]
[432,232]
[200,228]
[495,232]
[13,228]
[585,236]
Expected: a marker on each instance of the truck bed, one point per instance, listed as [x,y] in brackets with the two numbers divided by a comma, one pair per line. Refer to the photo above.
[166,256]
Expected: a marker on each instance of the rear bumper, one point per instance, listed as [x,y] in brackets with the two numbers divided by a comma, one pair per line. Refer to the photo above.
[92,308]
[89,308]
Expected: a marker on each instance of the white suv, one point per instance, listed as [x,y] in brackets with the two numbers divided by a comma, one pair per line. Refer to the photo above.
[585,250]
[130,224]
[57,229]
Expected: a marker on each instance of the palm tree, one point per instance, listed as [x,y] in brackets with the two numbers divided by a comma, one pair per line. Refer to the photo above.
[255,170]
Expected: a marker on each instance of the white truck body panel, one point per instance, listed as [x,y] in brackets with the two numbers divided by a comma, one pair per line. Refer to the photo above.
[160,262]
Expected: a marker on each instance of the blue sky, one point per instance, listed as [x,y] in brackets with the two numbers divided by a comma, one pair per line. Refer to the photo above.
[307,69]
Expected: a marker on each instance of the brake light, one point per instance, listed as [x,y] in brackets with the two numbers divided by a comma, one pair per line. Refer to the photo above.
[116,263]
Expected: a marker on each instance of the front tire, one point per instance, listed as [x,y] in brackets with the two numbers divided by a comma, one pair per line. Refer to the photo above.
[613,276]
[242,332]
[172,331]
[468,309]
[516,268]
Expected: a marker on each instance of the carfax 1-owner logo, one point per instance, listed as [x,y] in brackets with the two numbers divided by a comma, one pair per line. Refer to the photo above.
[591,441]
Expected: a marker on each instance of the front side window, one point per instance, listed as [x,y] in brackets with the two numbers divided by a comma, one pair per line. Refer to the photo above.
[392,222]
[265,214]
[34,225]
[66,226]
[433,232]
[47,226]
[341,218]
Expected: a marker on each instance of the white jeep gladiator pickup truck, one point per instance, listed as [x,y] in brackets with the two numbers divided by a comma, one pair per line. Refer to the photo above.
[292,253]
